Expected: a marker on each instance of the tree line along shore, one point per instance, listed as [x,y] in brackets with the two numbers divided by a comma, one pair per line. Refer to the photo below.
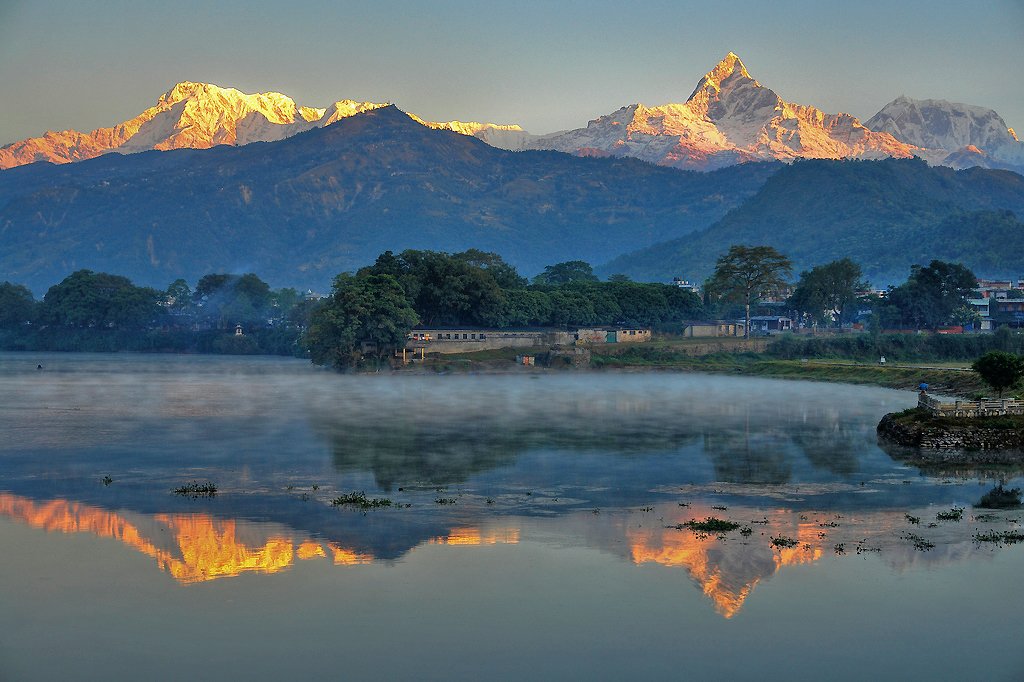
[368,315]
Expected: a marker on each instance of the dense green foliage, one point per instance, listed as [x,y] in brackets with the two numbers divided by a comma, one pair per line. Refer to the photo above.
[896,347]
[89,311]
[87,299]
[17,305]
[563,273]
[827,294]
[474,288]
[884,215]
[999,369]
[364,315]
[933,296]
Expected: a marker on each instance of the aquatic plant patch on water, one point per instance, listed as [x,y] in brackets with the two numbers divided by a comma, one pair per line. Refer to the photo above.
[195,489]
[783,542]
[360,501]
[1000,498]
[919,542]
[954,514]
[1006,537]
[709,525]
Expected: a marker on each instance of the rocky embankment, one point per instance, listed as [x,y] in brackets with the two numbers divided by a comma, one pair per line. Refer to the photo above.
[983,440]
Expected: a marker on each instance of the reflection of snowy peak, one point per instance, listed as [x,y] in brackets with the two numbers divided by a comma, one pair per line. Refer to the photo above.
[200,115]
[728,118]
[965,135]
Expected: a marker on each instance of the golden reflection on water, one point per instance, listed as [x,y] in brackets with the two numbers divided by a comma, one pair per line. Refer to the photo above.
[192,547]
[728,571]
[477,536]
[198,547]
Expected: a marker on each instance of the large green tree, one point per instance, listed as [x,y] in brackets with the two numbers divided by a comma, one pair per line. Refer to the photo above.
[563,273]
[999,370]
[17,305]
[450,289]
[747,274]
[935,295]
[368,311]
[827,292]
[97,299]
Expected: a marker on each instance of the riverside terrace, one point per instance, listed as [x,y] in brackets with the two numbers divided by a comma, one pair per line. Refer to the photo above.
[969,408]
[467,340]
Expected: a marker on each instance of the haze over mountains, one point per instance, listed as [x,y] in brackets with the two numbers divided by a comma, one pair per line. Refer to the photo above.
[214,180]
[729,118]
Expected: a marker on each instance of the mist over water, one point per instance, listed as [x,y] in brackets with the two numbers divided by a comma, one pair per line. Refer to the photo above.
[541,473]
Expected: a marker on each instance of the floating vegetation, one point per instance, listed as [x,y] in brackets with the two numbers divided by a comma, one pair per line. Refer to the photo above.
[829,524]
[913,519]
[490,500]
[954,514]
[445,500]
[643,509]
[919,542]
[195,490]
[839,548]
[361,501]
[985,518]
[107,480]
[709,525]
[783,542]
[719,507]
[1000,498]
[746,531]
[684,504]
[1006,537]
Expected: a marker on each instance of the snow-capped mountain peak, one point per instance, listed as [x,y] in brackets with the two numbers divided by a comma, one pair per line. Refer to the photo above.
[200,115]
[950,127]
[729,117]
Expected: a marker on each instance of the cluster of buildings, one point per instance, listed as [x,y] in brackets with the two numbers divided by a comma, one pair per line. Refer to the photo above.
[1001,302]
[466,340]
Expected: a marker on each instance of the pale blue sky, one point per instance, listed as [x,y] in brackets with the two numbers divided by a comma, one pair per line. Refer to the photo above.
[546,65]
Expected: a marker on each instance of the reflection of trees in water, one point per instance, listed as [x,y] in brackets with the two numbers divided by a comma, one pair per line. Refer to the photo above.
[408,449]
[444,431]
[739,457]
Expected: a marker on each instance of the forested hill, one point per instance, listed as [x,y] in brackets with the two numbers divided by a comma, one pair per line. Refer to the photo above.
[885,215]
[301,210]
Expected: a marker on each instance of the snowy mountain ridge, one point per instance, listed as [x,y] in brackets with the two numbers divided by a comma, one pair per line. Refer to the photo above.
[729,118]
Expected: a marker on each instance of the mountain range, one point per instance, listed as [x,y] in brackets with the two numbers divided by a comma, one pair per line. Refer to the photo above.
[300,210]
[729,118]
[213,180]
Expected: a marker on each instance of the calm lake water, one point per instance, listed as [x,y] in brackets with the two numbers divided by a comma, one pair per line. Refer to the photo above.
[535,529]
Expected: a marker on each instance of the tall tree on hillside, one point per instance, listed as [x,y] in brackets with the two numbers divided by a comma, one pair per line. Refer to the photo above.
[747,274]
[826,292]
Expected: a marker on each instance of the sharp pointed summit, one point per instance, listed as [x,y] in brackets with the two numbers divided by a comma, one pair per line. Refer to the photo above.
[729,118]
[731,66]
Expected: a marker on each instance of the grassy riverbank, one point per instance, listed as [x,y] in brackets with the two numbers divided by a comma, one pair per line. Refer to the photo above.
[736,357]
